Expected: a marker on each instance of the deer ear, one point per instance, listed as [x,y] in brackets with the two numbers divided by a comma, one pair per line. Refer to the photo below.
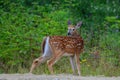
[69,22]
[78,25]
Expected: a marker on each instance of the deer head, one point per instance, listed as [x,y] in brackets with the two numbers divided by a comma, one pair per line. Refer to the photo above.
[72,30]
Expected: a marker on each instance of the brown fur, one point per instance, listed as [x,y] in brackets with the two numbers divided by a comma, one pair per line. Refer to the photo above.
[67,44]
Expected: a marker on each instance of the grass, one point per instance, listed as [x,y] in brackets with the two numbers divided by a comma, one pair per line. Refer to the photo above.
[99,66]
[105,63]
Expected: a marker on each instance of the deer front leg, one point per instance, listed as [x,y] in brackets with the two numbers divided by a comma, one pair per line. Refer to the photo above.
[53,60]
[77,63]
[72,61]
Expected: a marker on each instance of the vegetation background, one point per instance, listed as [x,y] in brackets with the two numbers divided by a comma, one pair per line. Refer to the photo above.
[24,23]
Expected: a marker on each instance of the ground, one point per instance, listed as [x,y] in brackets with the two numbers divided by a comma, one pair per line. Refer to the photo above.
[53,77]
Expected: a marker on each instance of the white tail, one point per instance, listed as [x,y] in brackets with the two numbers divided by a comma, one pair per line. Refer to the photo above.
[54,47]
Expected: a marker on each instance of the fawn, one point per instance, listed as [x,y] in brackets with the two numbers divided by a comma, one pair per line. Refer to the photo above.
[54,47]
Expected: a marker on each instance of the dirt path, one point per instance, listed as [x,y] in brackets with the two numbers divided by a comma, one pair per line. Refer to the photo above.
[52,77]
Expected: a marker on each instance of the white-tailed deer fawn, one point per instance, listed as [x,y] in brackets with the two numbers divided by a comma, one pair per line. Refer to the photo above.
[54,47]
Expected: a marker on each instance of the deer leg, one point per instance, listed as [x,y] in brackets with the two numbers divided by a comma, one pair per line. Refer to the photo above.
[50,64]
[36,62]
[52,61]
[77,63]
[72,61]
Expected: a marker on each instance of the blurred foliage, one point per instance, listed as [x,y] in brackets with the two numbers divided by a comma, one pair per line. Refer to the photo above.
[24,23]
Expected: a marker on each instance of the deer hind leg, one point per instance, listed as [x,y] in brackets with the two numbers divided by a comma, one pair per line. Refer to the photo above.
[77,63]
[36,62]
[53,60]
[72,61]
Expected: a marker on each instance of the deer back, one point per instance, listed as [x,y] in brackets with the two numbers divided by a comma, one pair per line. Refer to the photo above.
[66,43]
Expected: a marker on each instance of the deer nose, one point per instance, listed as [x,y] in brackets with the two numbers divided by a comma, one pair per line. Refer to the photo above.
[69,33]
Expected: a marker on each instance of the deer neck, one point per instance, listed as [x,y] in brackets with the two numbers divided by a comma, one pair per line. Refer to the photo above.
[75,34]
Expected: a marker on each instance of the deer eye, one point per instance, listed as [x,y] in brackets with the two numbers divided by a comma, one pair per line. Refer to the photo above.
[73,29]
